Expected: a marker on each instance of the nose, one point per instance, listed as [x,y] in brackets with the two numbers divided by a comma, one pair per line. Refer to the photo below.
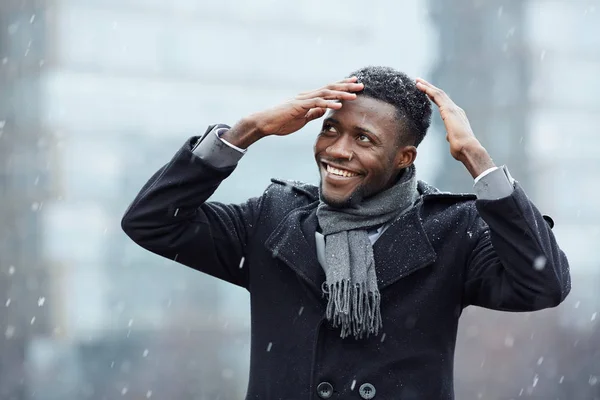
[341,148]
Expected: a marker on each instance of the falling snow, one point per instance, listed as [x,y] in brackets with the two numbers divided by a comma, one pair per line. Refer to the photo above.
[9,332]
[540,361]
[539,263]
[25,48]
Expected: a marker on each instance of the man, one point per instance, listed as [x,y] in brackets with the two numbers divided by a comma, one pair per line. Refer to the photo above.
[356,286]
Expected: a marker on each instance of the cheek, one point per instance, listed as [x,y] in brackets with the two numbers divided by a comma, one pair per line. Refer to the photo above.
[380,172]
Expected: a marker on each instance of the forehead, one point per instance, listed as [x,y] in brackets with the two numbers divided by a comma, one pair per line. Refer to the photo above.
[365,112]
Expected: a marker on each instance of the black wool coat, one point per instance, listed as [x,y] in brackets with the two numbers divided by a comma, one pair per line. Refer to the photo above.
[448,252]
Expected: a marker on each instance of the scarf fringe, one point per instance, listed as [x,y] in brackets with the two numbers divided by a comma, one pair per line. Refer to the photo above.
[354,309]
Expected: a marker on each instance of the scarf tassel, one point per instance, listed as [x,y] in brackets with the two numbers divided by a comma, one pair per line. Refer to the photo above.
[354,309]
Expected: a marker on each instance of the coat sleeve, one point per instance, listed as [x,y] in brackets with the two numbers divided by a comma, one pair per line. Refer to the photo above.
[171,217]
[515,263]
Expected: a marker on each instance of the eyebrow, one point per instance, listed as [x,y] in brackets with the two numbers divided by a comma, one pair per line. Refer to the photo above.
[355,127]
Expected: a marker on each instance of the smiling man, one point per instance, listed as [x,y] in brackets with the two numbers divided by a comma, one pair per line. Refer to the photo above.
[356,286]
[356,156]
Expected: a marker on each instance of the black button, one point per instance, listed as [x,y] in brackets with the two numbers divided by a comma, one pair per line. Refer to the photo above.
[548,220]
[367,391]
[325,390]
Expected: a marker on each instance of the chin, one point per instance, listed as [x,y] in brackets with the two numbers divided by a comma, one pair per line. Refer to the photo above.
[337,201]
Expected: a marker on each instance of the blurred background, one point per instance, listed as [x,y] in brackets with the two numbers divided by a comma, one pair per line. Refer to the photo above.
[95,95]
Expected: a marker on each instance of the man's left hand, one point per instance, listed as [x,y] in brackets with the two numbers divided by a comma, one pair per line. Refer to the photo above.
[464,146]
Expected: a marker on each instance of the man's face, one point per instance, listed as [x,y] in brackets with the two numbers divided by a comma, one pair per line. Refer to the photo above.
[357,151]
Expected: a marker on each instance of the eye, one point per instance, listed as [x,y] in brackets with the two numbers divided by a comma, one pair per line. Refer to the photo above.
[327,128]
[363,138]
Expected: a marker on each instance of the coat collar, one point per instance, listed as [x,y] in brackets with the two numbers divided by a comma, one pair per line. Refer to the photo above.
[293,242]
[402,249]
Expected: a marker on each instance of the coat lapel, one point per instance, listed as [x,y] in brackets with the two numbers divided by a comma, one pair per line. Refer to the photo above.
[293,242]
[402,249]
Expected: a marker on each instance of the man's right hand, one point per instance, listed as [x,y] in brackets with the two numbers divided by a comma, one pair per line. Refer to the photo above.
[294,114]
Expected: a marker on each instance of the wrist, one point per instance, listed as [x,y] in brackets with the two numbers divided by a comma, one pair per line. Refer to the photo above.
[243,134]
[476,159]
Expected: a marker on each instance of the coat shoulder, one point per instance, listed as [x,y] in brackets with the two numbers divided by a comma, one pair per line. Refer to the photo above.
[283,196]
[450,205]
[431,193]
[289,194]
[295,188]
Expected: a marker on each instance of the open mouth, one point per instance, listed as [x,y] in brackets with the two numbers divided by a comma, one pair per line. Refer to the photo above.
[339,172]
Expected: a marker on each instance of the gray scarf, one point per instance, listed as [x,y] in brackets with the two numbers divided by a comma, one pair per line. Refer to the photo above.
[351,282]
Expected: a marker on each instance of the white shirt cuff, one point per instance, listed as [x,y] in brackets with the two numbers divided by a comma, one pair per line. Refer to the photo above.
[493,184]
[484,173]
[218,152]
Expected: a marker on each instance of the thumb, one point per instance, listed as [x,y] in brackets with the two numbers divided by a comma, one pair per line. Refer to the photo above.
[315,113]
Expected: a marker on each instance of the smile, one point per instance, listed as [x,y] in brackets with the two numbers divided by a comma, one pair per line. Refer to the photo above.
[340,172]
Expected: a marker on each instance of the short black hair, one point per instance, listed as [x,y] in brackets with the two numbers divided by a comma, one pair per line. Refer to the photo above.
[396,88]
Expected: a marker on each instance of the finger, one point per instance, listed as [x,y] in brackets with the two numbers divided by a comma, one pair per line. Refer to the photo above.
[348,80]
[328,94]
[327,91]
[315,113]
[321,103]
[426,83]
[438,96]
[346,86]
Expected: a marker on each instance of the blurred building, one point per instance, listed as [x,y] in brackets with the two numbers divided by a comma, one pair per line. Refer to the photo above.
[24,189]
[512,66]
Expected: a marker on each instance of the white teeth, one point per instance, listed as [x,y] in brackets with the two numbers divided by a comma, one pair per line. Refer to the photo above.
[340,172]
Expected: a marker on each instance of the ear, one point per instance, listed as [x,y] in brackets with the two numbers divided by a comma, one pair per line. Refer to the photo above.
[405,156]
